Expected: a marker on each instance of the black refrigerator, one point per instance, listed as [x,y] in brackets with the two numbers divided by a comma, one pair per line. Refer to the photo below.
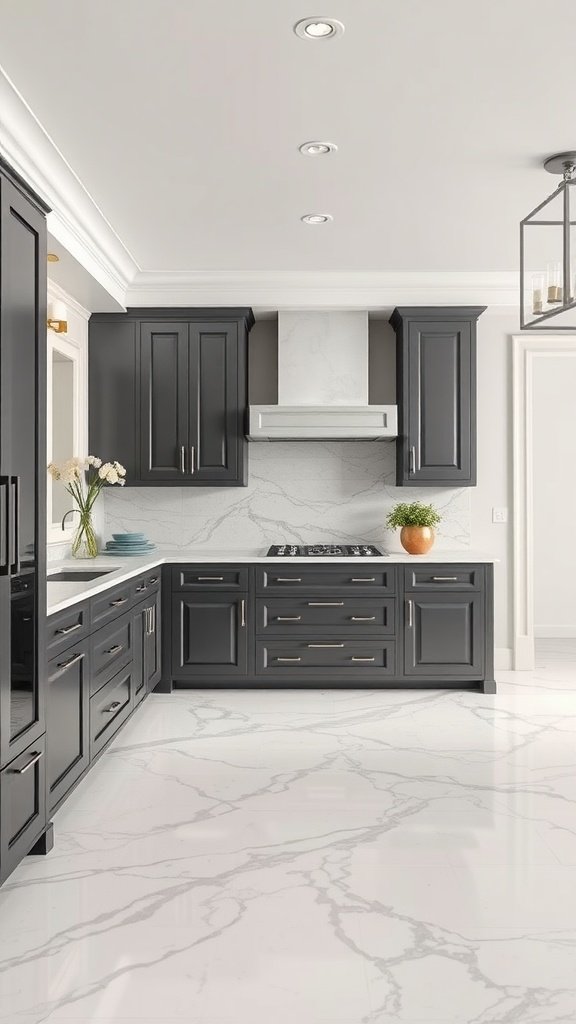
[22,518]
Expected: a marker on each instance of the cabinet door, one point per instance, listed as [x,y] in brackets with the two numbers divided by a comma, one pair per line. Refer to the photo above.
[164,448]
[443,635]
[113,405]
[152,644]
[216,408]
[209,635]
[67,720]
[138,652]
[22,805]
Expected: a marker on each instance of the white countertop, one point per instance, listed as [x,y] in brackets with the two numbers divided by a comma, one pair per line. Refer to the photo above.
[63,595]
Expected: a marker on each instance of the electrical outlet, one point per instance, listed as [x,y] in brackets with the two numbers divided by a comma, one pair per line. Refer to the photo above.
[499,515]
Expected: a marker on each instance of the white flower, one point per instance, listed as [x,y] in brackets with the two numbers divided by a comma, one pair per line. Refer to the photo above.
[104,470]
[122,483]
[119,469]
[54,471]
[93,460]
[70,471]
[112,476]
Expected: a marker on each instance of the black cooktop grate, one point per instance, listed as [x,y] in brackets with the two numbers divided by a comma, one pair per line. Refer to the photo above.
[324,551]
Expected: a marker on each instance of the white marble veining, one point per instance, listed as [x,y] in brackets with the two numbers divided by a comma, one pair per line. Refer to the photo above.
[322,357]
[299,492]
[311,857]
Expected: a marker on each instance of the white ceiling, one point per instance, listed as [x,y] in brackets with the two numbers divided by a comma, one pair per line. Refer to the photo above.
[183,118]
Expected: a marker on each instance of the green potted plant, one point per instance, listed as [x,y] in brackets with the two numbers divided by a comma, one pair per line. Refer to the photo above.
[416,522]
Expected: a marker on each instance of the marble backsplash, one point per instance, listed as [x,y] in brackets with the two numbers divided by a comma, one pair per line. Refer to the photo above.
[299,492]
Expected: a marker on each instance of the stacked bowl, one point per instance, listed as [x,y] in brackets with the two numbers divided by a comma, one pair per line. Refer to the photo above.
[129,544]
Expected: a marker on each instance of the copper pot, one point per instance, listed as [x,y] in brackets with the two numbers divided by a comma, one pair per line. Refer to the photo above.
[417,540]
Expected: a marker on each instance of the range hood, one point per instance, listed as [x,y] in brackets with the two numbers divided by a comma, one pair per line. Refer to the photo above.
[322,383]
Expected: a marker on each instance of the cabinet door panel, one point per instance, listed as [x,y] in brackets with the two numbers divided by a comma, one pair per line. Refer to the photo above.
[163,401]
[22,805]
[214,402]
[444,635]
[208,635]
[67,720]
[153,645]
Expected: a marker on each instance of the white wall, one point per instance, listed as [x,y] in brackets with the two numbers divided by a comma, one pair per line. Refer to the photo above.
[554,495]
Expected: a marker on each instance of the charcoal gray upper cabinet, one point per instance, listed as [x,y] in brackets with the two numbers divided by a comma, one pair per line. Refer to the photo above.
[436,394]
[168,394]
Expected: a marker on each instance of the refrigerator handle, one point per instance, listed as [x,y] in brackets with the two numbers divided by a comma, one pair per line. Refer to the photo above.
[15,531]
[5,526]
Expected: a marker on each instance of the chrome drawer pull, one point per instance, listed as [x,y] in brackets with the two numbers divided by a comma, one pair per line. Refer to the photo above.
[363,579]
[113,707]
[118,602]
[71,661]
[153,580]
[141,588]
[116,649]
[355,658]
[288,659]
[363,618]
[29,764]
[325,604]
[445,579]
[68,629]
[288,579]
[325,645]
[288,618]
[214,579]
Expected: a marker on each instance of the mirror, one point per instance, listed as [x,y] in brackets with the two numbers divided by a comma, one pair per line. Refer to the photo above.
[67,426]
[62,425]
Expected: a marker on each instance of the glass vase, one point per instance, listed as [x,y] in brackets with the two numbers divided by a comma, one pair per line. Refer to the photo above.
[85,544]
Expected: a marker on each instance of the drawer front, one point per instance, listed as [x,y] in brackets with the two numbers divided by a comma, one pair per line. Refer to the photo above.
[67,628]
[210,577]
[22,805]
[111,603]
[145,586]
[112,648]
[284,615]
[348,658]
[356,579]
[110,708]
[445,577]
[67,738]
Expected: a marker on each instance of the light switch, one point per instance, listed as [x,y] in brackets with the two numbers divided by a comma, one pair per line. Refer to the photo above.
[499,515]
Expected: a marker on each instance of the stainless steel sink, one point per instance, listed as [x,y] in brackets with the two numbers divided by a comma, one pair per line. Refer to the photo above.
[77,575]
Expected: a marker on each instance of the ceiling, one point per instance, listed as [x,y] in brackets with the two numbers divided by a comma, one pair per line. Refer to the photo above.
[182,119]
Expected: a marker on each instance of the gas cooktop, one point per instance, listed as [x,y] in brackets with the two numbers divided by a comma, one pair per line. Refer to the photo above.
[324,551]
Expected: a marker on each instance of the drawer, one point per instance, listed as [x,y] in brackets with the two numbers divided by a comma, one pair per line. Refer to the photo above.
[112,648]
[210,577]
[353,659]
[22,805]
[283,615]
[445,577]
[110,708]
[146,585]
[326,579]
[111,603]
[66,628]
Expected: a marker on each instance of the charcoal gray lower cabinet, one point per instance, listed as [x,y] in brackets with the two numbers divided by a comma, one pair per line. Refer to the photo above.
[209,635]
[22,805]
[67,720]
[444,636]
[436,395]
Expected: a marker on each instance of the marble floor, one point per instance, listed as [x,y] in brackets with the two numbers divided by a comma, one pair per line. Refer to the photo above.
[313,858]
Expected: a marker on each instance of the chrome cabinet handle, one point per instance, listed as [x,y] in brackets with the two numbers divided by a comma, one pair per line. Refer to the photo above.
[413,459]
[68,629]
[115,649]
[288,579]
[15,561]
[363,618]
[410,614]
[325,645]
[242,612]
[70,661]
[192,460]
[358,658]
[445,579]
[34,758]
[153,580]
[288,618]
[325,604]
[182,459]
[141,588]
[118,602]
[115,704]
[212,579]
[5,539]
[288,659]
[363,579]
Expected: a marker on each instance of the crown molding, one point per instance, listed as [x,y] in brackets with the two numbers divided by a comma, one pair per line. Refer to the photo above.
[75,220]
[56,292]
[271,290]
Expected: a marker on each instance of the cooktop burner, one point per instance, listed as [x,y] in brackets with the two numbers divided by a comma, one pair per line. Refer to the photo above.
[324,551]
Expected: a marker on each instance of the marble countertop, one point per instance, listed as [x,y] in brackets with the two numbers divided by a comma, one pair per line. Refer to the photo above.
[63,595]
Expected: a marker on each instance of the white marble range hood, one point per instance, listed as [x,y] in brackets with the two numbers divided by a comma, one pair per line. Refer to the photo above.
[322,383]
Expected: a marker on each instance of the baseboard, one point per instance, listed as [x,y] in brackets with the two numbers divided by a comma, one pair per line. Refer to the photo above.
[503,659]
[555,632]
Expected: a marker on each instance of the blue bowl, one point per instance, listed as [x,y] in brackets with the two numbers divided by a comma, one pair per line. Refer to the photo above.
[128,537]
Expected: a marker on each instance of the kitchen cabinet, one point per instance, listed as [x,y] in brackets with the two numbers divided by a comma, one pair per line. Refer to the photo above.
[184,375]
[209,635]
[67,720]
[436,395]
[22,805]
[147,646]
[444,635]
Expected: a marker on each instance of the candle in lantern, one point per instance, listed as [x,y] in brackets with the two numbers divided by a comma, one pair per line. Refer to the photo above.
[537,293]
[554,285]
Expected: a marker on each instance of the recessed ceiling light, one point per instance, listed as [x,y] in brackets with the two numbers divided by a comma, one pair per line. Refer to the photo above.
[52,257]
[318,28]
[316,218]
[317,148]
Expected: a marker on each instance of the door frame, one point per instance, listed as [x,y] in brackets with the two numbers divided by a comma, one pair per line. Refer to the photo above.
[526,351]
